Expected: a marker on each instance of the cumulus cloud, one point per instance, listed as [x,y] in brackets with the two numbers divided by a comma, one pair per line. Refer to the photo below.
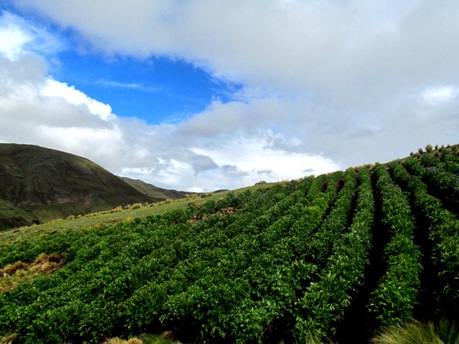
[35,108]
[72,96]
[258,157]
[348,58]
[326,85]
[290,45]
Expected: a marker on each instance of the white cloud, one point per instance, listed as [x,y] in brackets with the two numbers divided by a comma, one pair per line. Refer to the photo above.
[143,172]
[35,108]
[254,157]
[174,171]
[55,88]
[326,84]
[19,37]
[12,39]
[439,95]
[351,54]
[293,45]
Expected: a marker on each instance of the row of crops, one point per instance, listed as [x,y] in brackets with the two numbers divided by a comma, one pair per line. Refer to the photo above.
[337,256]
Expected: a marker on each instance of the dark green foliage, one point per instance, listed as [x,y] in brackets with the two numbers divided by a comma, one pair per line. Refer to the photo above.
[394,298]
[277,262]
[325,300]
[443,234]
[442,183]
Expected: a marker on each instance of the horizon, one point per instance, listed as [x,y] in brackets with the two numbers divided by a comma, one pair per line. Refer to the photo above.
[205,96]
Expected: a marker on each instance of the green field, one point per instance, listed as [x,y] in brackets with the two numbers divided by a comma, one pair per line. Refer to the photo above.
[333,258]
[113,216]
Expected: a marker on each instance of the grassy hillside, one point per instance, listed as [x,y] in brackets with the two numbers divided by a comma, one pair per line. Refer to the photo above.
[114,216]
[40,184]
[337,257]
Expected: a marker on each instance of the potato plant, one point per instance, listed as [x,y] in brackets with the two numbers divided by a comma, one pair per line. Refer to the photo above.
[287,261]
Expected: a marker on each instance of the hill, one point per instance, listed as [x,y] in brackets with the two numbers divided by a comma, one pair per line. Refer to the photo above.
[40,184]
[338,258]
[156,193]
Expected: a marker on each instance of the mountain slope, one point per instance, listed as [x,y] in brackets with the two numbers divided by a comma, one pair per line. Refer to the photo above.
[156,193]
[40,184]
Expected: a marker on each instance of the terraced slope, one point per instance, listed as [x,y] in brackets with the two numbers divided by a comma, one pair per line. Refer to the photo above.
[335,257]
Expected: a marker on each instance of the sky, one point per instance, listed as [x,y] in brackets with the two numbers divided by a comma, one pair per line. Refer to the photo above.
[201,95]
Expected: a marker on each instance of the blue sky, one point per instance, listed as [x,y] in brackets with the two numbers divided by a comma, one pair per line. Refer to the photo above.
[154,89]
[202,95]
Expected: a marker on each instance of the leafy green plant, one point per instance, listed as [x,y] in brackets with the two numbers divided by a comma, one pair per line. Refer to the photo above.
[443,234]
[393,300]
[325,300]
[287,260]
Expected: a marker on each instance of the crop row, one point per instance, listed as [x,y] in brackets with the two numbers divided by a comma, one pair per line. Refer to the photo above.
[393,300]
[442,183]
[257,279]
[325,300]
[283,262]
[169,272]
[101,272]
[449,160]
[443,229]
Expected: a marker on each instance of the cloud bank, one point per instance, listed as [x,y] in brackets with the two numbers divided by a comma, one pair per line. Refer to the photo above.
[326,85]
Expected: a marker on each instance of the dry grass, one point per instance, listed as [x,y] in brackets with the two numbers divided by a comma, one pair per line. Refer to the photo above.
[20,272]
[12,268]
[117,340]
[415,332]
[135,206]
[8,339]
[164,338]
[127,219]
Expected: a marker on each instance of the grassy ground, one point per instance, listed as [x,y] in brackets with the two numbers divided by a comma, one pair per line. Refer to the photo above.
[113,216]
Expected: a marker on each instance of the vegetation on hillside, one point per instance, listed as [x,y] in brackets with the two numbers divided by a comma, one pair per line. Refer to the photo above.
[40,185]
[343,257]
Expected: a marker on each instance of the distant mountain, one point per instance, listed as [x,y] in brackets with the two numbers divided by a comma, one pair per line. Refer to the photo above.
[154,192]
[40,184]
